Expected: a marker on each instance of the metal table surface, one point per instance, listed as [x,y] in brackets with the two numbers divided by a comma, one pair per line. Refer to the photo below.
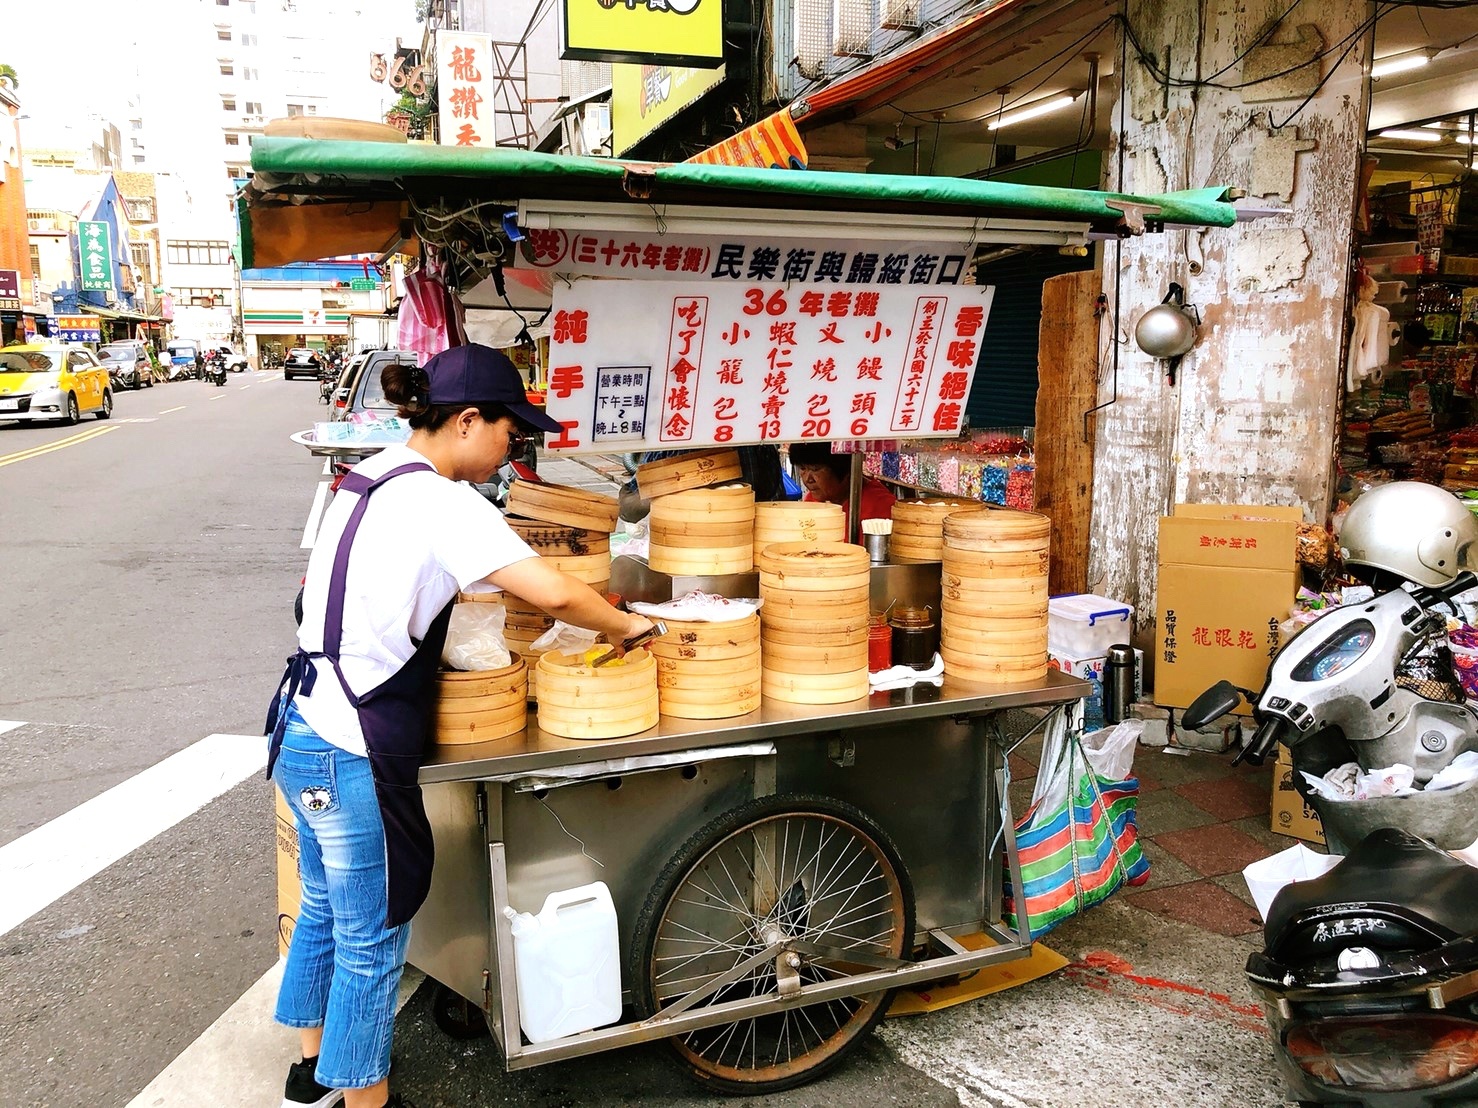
[533,750]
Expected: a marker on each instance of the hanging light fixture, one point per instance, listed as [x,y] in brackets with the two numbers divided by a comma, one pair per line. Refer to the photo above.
[1400,63]
[1032,111]
[1412,136]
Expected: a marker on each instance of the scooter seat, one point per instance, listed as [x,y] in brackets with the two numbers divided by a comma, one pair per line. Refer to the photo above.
[1388,867]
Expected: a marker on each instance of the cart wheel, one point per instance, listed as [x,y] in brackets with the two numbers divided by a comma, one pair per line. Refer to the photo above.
[457,1016]
[828,875]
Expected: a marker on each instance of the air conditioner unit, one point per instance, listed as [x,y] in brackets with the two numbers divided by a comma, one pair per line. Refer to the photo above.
[34,224]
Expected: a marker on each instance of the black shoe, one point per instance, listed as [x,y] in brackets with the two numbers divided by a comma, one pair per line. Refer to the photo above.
[304,1091]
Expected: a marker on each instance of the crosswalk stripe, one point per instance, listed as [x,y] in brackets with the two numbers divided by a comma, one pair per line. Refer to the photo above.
[243,1057]
[49,862]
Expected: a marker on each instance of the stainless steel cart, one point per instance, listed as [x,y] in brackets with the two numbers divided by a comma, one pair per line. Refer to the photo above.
[775,874]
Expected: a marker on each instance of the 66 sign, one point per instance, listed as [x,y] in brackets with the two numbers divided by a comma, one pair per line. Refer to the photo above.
[763,362]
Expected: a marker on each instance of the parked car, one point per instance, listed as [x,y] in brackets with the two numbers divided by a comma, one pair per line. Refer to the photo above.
[235,360]
[53,381]
[127,364]
[360,389]
[302,362]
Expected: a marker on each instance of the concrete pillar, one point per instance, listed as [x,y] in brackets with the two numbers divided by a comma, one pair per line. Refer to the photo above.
[1252,416]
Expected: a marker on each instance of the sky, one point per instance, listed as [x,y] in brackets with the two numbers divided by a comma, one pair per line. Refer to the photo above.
[90,61]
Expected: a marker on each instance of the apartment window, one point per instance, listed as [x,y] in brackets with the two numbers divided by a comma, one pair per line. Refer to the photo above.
[253,108]
[228,105]
[141,262]
[228,70]
[312,109]
[248,40]
[138,159]
[36,266]
[202,298]
[223,36]
[294,110]
[237,171]
[250,73]
[198,252]
[136,124]
[233,139]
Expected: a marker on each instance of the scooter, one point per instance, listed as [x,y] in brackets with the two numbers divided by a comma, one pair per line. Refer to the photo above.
[327,379]
[215,369]
[1343,682]
[1369,978]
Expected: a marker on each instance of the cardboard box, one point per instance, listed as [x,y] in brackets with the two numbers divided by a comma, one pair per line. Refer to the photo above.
[1292,815]
[1091,669]
[289,891]
[1227,577]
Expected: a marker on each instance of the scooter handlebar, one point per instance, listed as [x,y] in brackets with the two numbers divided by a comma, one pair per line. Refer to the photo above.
[1264,740]
[1429,595]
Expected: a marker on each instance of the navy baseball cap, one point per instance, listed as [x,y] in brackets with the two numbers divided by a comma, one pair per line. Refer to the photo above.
[475,374]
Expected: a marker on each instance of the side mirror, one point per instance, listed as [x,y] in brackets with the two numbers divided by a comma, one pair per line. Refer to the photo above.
[1216,701]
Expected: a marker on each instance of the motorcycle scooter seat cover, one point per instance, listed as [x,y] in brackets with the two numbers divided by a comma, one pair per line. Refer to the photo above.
[1394,872]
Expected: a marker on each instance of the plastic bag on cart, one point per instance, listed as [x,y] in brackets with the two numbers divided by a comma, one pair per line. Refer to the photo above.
[564,638]
[1078,842]
[474,637]
[1111,750]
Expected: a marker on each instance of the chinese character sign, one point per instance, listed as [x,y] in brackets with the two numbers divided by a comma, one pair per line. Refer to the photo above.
[464,88]
[95,254]
[10,290]
[741,259]
[77,328]
[687,364]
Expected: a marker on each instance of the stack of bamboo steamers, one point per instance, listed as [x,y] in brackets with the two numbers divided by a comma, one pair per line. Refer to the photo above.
[994,595]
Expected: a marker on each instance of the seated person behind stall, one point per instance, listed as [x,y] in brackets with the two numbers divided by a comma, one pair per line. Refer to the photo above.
[827,477]
[760,466]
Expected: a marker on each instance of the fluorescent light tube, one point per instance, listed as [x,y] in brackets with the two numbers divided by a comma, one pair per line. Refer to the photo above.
[1032,111]
[1412,136]
[1398,63]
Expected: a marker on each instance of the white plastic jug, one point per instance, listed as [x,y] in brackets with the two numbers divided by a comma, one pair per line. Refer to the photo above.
[568,961]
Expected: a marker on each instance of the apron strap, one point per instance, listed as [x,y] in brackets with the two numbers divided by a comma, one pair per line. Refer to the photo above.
[333,620]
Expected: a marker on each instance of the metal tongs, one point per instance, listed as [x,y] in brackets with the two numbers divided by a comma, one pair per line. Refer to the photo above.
[656,631]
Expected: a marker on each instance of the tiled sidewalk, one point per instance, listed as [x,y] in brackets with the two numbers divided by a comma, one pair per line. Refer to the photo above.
[1201,820]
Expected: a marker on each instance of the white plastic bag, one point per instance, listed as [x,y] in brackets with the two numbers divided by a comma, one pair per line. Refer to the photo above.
[474,637]
[1459,771]
[1110,751]
[564,638]
[1265,878]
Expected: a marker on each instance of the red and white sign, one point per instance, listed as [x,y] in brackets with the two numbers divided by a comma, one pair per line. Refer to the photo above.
[739,259]
[465,88]
[709,364]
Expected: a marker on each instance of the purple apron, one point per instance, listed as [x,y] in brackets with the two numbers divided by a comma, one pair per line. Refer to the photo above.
[395,717]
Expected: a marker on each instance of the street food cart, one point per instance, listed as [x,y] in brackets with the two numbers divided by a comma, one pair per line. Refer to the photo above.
[776,874]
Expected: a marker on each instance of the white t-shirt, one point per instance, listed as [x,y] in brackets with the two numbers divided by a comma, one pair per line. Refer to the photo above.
[422,539]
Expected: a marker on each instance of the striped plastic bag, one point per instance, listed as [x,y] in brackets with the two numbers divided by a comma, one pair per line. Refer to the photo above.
[1078,841]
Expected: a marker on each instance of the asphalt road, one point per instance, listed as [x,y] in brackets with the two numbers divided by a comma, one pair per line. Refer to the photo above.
[150,566]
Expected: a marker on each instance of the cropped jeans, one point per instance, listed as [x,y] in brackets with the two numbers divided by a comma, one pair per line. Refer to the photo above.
[344,965]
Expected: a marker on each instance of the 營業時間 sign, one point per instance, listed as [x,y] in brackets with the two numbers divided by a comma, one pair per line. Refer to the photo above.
[674,365]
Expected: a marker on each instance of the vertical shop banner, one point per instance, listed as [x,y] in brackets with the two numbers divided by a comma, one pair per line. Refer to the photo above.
[674,364]
[643,97]
[95,251]
[10,290]
[465,89]
[1429,233]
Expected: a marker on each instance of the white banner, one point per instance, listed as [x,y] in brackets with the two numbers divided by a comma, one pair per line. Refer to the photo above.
[465,89]
[741,258]
[641,365]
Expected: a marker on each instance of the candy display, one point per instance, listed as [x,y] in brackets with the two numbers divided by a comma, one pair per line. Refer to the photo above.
[995,466]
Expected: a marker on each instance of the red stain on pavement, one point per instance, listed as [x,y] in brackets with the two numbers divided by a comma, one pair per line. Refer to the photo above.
[1106,972]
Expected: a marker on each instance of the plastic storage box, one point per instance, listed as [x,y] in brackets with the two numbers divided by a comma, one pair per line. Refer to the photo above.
[1082,625]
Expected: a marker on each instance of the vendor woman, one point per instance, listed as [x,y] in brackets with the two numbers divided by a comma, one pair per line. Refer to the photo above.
[828,477]
[348,731]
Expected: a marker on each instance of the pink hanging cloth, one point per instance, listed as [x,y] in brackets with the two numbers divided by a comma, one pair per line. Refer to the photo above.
[432,318]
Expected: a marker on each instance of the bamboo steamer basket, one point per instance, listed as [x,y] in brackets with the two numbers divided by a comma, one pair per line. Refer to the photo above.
[477,706]
[968,638]
[815,659]
[918,528]
[687,471]
[579,701]
[1010,669]
[703,532]
[708,670]
[783,521]
[849,633]
[998,531]
[816,586]
[556,540]
[812,560]
[993,596]
[993,563]
[593,569]
[561,504]
[814,605]
[814,688]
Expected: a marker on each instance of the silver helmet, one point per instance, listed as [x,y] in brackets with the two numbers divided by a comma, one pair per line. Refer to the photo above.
[1414,530]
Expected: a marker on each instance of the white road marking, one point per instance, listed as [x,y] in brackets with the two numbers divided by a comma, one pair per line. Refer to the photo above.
[166,411]
[328,467]
[49,862]
[10,724]
[216,397]
[245,387]
[243,1057]
[315,515]
[143,419]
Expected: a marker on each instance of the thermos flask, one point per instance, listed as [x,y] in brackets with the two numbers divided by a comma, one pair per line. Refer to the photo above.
[1118,683]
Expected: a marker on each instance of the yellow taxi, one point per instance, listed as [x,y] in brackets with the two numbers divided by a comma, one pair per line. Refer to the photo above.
[53,381]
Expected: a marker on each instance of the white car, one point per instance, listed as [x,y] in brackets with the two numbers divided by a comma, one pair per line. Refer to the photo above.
[235,361]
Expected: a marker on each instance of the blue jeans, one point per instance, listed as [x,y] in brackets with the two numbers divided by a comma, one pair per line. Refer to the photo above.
[344,965]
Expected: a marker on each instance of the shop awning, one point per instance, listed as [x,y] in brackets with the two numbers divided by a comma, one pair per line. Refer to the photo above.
[772,143]
[119,314]
[355,192]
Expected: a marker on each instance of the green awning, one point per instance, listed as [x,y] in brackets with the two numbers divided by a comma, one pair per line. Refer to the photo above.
[519,174]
